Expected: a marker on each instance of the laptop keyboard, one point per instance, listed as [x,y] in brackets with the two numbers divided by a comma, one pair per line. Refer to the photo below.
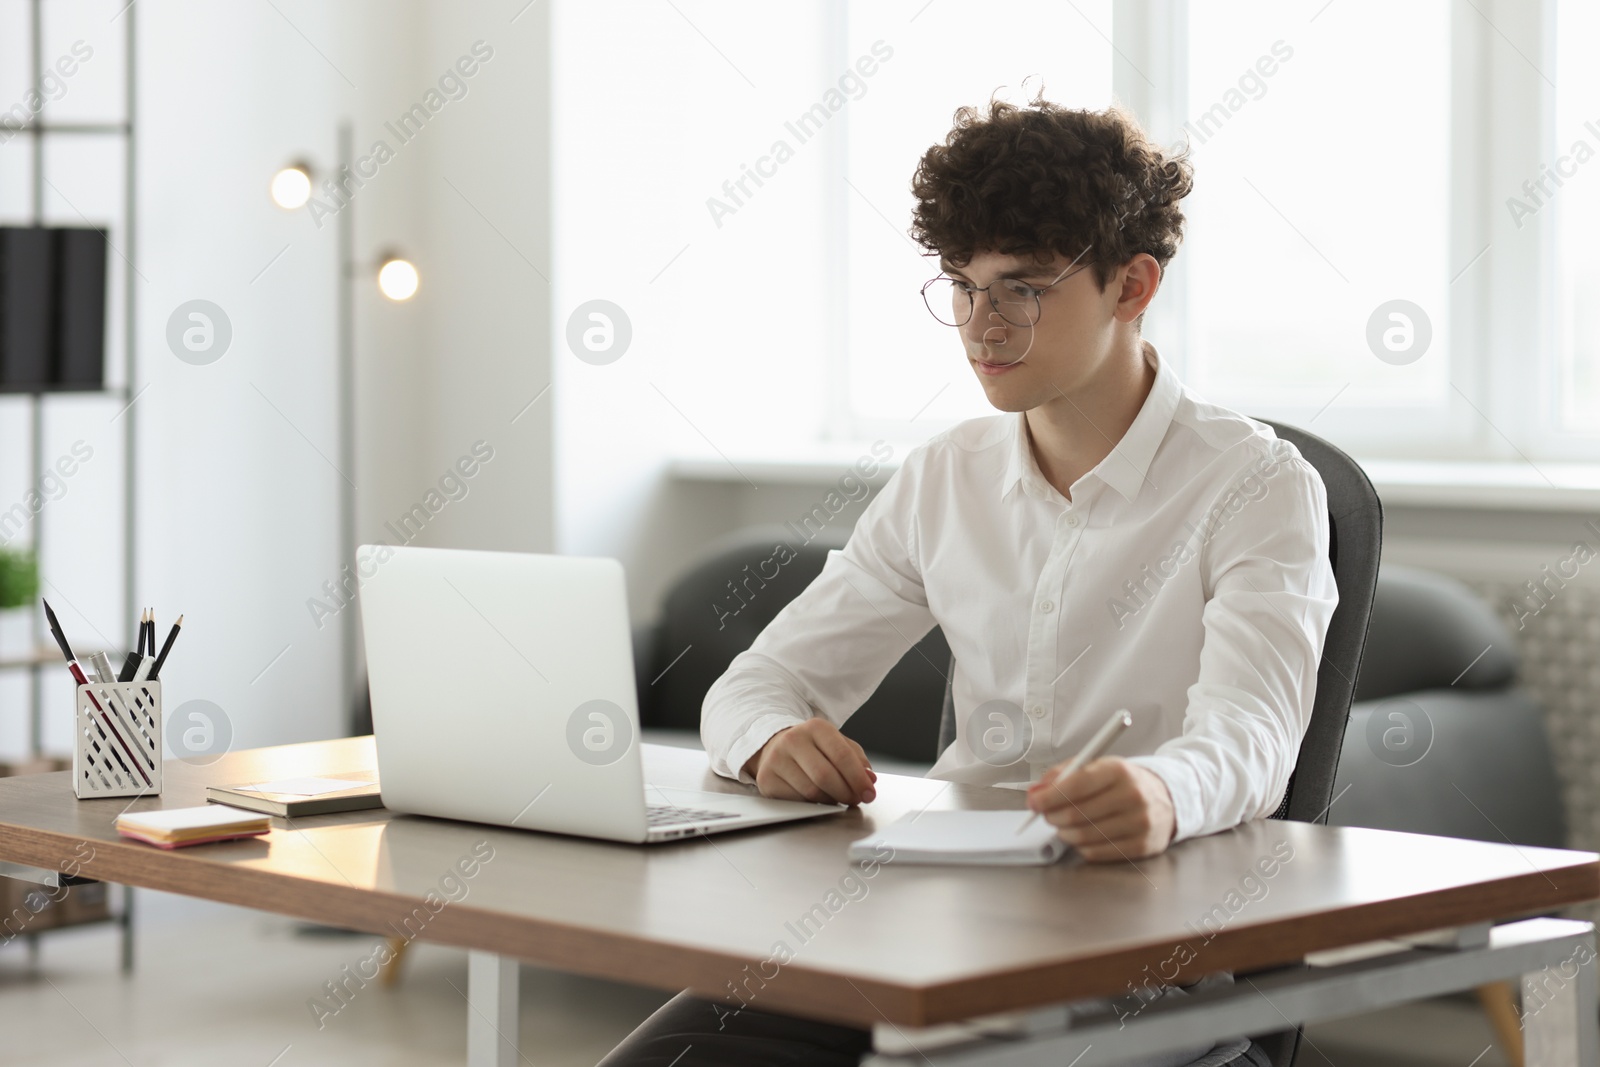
[672,815]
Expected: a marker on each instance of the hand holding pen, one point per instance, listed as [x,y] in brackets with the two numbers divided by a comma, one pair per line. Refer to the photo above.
[1120,720]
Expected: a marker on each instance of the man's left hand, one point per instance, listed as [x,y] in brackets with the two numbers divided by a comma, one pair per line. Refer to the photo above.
[1109,809]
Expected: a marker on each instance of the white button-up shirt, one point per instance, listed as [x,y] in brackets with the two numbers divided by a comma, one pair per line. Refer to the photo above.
[1187,580]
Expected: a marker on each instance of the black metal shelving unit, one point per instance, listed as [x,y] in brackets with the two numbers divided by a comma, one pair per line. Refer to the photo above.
[44,651]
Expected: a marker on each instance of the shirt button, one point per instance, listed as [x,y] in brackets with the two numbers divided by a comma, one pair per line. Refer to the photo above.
[1047,607]
[1036,711]
[1072,520]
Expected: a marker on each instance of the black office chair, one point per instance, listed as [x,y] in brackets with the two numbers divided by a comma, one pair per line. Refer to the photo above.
[1355,519]
[716,609]
[671,690]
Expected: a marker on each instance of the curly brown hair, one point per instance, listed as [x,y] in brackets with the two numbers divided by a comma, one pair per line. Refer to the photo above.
[1043,180]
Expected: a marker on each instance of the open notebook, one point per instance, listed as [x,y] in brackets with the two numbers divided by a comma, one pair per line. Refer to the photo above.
[964,837]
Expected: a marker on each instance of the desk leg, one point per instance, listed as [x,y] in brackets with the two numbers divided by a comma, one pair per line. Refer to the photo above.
[491,1010]
[1560,1013]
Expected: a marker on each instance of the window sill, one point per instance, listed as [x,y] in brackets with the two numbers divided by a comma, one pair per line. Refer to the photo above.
[1405,483]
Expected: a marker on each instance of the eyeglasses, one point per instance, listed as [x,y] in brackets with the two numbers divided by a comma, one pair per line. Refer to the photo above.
[951,300]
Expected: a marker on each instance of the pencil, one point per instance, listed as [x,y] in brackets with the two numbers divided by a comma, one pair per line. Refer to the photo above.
[55,630]
[172,636]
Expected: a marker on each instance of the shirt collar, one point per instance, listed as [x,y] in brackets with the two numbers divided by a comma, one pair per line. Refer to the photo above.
[1125,467]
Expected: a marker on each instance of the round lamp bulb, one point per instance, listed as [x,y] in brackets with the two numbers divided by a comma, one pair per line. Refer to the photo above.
[397,279]
[291,188]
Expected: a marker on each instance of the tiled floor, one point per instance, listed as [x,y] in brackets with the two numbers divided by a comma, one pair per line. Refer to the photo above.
[220,985]
[230,986]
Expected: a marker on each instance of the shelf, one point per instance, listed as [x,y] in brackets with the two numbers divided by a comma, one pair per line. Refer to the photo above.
[60,390]
[48,654]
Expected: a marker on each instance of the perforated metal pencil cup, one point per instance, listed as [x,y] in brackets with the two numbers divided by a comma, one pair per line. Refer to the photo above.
[116,732]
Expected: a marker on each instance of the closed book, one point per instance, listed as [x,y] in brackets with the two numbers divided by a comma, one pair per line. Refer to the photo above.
[79,309]
[27,273]
[361,795]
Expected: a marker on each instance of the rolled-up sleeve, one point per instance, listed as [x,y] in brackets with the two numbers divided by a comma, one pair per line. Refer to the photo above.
[1270,597]
[828,649]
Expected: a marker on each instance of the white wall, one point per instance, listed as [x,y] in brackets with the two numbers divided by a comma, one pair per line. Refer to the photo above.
[238,494]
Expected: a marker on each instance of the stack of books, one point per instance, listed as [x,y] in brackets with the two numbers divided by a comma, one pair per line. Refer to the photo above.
[176,827]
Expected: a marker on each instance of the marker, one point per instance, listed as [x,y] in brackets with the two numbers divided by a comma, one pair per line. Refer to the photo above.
[129,667]
[101,663]
[1120,720]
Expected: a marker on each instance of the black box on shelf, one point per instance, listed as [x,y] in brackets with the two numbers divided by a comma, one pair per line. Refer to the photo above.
[52,309]
[27,276]
[79,307]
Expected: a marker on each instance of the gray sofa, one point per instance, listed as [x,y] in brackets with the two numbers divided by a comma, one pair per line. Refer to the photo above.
[1442,739]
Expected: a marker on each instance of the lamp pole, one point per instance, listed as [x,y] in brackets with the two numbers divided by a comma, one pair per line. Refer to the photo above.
[346,417]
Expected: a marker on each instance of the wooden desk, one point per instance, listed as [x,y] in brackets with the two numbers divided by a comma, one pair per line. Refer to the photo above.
[905,946]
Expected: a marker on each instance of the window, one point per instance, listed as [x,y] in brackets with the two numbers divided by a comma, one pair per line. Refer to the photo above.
[902,364]
[1318,198]
[1354,163]
[1574,186]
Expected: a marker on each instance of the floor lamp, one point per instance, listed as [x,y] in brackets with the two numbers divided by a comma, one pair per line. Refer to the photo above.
[397,279]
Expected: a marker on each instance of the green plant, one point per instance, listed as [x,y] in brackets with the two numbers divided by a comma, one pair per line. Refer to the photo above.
[19,577]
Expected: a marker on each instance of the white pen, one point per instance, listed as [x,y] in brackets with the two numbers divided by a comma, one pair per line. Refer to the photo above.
[1120,720]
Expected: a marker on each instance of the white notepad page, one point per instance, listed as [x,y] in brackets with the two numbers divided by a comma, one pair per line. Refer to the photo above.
[175,819]
[964,837]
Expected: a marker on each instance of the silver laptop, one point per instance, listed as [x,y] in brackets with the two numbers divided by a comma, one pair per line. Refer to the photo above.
[503,692]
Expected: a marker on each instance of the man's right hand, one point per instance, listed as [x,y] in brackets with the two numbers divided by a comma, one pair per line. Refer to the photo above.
[813,761]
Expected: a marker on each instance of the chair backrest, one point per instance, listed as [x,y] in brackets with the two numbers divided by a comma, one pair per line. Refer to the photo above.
[715,610]
[1355,518]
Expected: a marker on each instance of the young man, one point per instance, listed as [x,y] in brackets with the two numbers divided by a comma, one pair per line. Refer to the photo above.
[1108,541]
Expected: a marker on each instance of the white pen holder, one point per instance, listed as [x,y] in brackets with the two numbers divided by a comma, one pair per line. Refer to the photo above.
[116,733]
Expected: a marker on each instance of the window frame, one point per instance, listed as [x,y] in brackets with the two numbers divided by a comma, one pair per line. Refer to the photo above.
[1495,410]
